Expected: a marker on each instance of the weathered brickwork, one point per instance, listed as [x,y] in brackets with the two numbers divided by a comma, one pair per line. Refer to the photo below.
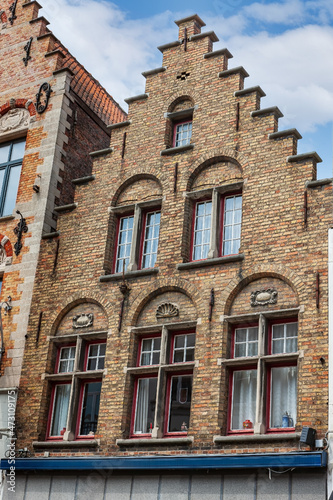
[282,249]
[58,141]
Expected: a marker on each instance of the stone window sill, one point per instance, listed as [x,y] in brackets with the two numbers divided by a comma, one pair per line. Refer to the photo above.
[129,274]
[179,149]
[83,443]
[6,218]
[210,262]
[155,441]
[255,438]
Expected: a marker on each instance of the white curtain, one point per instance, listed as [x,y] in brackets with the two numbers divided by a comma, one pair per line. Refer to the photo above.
[243,398]
[142,402]
[283,395]
[60,409]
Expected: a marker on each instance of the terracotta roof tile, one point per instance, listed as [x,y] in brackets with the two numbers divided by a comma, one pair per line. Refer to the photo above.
[91,91]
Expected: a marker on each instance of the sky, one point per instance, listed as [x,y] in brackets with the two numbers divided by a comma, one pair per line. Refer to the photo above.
[286,46]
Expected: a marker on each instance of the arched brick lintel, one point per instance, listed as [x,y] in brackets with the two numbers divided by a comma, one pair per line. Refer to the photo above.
[163,286]
[18,103]
[261,271]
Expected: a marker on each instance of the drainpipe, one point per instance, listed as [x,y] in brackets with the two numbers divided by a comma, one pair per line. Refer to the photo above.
[330,367]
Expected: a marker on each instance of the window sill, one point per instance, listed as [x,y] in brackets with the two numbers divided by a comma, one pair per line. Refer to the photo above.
[255,438]
[129,274]
[83,443]
[6,218]
[155,441]
[179,149]
[210,262]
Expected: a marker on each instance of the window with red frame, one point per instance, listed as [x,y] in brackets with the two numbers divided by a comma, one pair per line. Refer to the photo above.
[182,133]
[89,391]
[230,215]
[142,253]
[278,411]
[177,396]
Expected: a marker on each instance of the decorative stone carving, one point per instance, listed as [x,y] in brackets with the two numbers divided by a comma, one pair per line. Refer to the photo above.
[264,297]
[15,119]
[167,310]
[83,320]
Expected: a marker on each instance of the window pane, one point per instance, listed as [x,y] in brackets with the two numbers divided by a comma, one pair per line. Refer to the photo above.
[179,341]
[183,134]
[17,150]
[232,225]
[246,342]
[96,357]
[180,403]
[202,228]
[90,408]
[60,409]
[4,153]
[240,350]
[151,237]
[178,356]
[145,405]
[11,192]
[283,396]
[66,359]
[243,398]
[284,338]
[150,351]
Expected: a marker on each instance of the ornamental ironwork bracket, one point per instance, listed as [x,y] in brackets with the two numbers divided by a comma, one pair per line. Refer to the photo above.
[12,9]
[27,49]
[19,230]
[44,90]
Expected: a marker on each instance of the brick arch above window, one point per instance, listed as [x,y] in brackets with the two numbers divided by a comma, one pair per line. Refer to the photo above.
[3,16]
[138,179]
[16,104]
[142,188]
[288,277]
[181,103]
[177,286]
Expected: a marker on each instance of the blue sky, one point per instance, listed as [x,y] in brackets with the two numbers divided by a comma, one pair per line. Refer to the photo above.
[285,46]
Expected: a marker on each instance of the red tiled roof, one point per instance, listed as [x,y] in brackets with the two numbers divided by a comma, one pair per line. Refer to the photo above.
[91,91]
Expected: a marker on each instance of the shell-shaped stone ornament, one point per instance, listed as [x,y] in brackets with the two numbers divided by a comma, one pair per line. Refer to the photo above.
[167,310]
[83,320]
[264,297]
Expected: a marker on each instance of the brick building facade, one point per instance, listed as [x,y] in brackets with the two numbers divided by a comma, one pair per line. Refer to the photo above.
[179,322]
[44,145]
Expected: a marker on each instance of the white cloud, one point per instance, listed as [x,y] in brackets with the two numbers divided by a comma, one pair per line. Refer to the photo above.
[288,12]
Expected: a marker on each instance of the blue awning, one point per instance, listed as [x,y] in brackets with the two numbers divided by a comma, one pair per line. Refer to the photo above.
[181,463]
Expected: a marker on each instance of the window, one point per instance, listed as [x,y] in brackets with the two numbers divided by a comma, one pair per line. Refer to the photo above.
[70,383]
[209,241]
[137,239]
[176,386]
[11,156]
[182,133]
[263,368]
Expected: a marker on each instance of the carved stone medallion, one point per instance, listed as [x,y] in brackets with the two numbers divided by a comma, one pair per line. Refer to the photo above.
[264,297]
[167,310]
[83,320]
[15,119]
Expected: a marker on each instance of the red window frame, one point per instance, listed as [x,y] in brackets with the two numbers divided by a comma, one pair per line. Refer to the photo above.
[51,411]
[234,328]
[175,125]
[270,330]
[85,363]
[80,408]
[230,399]
[57,363]
[167,402]
[134,407]
[268,398]
[172,346]
[143,232]
[151,336]
[122,216]
[222,212]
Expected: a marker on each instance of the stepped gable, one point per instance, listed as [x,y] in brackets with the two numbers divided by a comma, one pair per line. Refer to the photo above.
[90,90]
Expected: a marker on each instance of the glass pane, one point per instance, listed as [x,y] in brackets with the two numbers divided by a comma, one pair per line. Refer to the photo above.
[198,238]
[283,397]
[200,209]
[191,340]
[90,408]
[101,362]
[238,216]
[157,344]
[102,349]
[228,218]
[156,358]
[291,345]
[236,232]
[189,355]
[253,333]
[229,204]
[11,192]
[238,202]
[93,350]
[252,349]
[227,248]
[240,350]
[180,403]
[278,331]
[145,358]
[240,335]
[243,399]
[2,174]
[146,344]
[4,153]
[18,150]
[291,329]
[179,341]
[278,346]
[145,405]
[60,409]
[92,364]
[178,356]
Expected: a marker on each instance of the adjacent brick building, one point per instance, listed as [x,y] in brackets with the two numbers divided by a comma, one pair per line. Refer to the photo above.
[179,321]
[44,145]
